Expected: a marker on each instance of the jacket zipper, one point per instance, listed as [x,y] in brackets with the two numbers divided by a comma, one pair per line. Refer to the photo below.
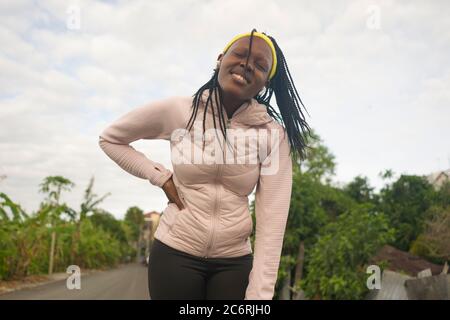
[216,205]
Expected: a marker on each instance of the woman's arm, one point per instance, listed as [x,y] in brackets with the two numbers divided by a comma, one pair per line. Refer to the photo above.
[154,120]
[272,200]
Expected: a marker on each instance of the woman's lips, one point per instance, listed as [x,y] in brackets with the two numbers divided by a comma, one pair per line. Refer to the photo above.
[239,79]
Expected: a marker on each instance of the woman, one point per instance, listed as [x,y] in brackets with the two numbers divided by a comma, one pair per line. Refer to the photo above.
[202,247]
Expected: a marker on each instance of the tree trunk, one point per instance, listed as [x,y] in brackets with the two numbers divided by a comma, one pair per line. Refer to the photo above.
[299,270]
[75,242]
[285,293]
[52,253]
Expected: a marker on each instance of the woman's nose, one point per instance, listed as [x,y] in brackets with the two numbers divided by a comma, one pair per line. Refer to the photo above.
[249,66]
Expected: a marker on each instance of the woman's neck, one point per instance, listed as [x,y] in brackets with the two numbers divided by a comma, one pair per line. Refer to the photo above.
[231,104]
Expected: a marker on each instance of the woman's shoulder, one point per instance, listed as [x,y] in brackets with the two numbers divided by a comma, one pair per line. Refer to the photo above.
[274,124]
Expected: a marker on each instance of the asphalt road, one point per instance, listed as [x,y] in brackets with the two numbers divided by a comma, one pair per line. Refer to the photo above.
[128,282]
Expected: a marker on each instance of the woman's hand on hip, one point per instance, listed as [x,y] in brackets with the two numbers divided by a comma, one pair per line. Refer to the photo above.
[172,193]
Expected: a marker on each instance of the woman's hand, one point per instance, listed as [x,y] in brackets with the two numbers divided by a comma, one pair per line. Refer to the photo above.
[172,193]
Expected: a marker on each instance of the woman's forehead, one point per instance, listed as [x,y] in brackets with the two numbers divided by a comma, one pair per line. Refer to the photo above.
[259,46]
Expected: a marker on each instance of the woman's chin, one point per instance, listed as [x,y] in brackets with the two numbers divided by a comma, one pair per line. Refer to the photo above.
[234,90]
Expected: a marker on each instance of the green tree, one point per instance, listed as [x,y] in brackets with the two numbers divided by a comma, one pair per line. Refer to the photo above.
[109,223]
[360,190]
[25,239]
[405,203]
[53,187]
[313,203]
[434,243]
[134,217]
[88,205]
[336,268]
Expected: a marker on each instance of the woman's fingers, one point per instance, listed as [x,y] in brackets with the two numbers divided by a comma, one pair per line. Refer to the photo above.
[172,193]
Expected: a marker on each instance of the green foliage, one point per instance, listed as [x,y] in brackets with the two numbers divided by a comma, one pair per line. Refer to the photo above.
[94,241]
[360,190]
[442,195]
[405,203]
[314,204]
[434,242]
[341,228]
[97,247]
[134,217]
[336,264]
[306,213]
[108,223]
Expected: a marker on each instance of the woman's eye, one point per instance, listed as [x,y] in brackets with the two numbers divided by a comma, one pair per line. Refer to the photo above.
[259,66]
[262,68]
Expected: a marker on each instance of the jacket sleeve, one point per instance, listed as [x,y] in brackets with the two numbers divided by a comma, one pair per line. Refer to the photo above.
[272,201]
[154,120]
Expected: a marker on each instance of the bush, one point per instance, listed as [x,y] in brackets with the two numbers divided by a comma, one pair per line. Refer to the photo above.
[25,246]
[434,243]
[335,268]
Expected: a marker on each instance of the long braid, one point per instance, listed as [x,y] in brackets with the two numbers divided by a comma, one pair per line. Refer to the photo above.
[289,104]
[211,85]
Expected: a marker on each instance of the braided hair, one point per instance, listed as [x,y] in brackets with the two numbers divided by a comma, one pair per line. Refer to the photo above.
[287,97]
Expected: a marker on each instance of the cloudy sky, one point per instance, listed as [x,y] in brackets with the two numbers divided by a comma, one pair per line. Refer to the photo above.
[374,76]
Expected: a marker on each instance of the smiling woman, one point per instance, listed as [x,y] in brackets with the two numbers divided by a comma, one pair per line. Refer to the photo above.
[203,247]
[250,80]
[249,63]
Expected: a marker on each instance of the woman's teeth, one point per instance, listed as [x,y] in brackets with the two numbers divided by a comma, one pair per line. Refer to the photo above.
[239,78]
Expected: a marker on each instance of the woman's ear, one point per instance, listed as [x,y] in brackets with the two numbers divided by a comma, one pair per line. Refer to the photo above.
[219,60]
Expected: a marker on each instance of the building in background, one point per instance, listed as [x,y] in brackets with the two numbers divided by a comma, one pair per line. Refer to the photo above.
[151,220]
[438,178]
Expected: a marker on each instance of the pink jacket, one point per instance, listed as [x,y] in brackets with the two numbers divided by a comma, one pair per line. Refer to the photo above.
[216,220]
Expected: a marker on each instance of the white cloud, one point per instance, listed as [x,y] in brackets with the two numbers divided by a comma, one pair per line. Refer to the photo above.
[378,97]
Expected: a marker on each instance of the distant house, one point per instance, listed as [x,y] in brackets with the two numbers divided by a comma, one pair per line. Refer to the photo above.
[147,234]
[151,220]
[438,178]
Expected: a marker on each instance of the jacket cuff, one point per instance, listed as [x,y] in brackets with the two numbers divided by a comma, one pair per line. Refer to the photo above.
[162,178]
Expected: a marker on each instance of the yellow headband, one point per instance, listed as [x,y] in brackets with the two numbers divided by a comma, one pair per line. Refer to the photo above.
[264,37]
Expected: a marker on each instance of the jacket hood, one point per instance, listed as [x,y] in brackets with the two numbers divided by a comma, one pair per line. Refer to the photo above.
[250,113]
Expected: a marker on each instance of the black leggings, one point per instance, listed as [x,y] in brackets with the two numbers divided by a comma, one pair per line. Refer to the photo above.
[173,274]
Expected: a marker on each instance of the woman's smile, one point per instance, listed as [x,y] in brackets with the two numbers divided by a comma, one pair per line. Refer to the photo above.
[239,79]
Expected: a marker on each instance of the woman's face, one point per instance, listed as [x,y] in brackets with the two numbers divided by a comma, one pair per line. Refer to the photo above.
[258,68]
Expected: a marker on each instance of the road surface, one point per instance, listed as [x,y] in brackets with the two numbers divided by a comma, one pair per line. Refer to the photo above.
[128,282]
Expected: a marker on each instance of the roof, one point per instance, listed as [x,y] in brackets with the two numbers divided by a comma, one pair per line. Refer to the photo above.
[403,261]
[151,213]
[438,176]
